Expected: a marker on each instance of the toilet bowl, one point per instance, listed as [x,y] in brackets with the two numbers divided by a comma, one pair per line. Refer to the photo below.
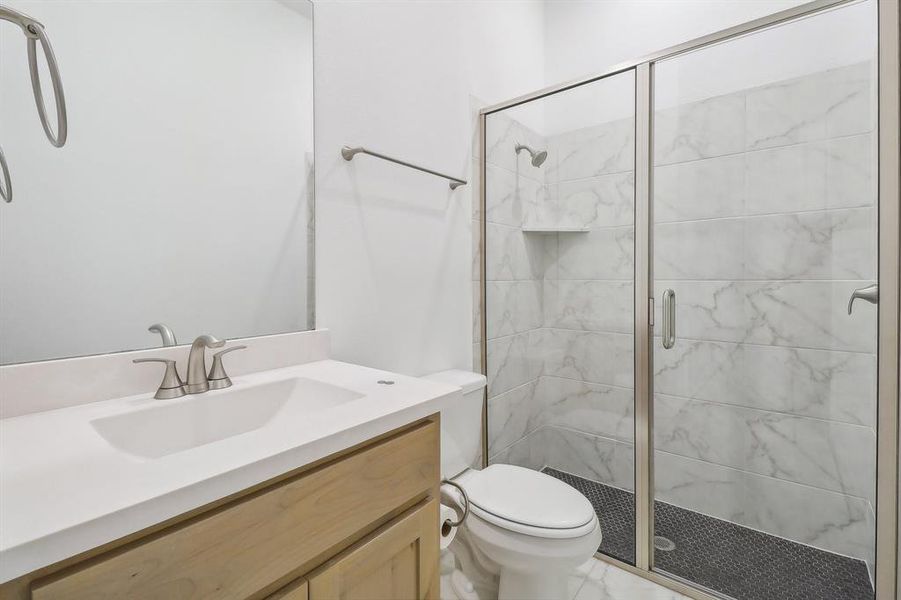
[530,528]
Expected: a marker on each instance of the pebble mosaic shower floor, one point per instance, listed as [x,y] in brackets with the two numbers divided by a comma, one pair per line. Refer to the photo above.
[739,562]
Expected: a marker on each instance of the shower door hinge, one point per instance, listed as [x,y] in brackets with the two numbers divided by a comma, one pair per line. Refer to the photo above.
[651,312]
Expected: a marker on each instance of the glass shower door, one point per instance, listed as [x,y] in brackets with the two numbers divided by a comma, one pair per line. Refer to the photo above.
[764,227]
[560,224]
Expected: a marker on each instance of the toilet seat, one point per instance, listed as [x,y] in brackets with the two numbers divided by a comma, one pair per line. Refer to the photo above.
[528,502]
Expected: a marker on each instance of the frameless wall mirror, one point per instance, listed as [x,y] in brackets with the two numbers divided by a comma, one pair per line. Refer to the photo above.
[182,202]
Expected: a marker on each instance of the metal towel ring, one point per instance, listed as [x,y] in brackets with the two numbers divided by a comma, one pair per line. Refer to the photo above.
[465,503]
[6,184]
[35,31]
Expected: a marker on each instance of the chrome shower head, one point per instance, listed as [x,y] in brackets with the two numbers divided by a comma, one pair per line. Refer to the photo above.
[538,157]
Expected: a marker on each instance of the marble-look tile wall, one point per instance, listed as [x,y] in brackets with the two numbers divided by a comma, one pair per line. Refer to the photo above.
[764,224]
[515,191]
[561,395]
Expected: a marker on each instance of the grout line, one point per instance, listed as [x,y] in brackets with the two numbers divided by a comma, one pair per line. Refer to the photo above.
[769,215]
[869,427]
[746,151]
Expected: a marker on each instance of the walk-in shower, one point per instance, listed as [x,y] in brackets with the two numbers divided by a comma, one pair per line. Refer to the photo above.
[665,305]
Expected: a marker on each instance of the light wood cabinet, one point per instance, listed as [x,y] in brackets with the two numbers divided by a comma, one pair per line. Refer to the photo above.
[360,525]
[397,563]
[296,590]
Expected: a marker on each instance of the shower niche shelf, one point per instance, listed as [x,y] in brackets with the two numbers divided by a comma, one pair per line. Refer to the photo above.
[553,229]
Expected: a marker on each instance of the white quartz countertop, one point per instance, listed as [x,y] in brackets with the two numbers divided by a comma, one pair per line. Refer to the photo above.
[64,489]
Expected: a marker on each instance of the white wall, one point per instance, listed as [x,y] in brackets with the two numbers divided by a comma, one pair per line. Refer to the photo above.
[584,37]
[393,246]
[612,32]
[181,195]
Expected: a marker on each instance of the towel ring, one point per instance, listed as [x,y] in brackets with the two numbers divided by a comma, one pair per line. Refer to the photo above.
[6,184]
[465,503]
[35,31]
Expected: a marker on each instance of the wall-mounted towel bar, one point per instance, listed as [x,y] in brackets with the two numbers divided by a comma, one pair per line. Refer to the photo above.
[348,153]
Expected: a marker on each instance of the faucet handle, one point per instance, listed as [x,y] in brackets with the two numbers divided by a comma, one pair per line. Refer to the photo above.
[218,378]
[172,386]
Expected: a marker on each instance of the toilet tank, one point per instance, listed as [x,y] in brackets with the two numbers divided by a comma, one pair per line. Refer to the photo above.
[461,423]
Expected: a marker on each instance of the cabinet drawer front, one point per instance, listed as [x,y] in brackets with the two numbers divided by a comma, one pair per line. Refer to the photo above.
[240,549]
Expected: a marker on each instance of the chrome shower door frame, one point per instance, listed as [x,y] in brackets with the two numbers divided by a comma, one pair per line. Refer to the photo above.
[887,583]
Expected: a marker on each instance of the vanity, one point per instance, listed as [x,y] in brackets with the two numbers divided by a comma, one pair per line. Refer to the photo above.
[323,483]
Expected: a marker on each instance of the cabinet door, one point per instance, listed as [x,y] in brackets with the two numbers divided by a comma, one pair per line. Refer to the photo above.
[398,562]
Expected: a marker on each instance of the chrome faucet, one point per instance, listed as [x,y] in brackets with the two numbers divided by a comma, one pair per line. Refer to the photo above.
[197,378]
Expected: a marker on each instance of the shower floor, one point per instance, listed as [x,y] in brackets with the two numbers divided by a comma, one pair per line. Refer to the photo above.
[743,563]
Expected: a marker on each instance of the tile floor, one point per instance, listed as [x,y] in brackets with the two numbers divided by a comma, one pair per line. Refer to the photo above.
[596,580]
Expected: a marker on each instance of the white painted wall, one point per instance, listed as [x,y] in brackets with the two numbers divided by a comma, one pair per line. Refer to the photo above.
[181,194]
[393,245]
[614,31]
[587,36]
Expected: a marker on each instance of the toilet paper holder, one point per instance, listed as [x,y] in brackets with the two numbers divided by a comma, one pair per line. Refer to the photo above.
[451,524]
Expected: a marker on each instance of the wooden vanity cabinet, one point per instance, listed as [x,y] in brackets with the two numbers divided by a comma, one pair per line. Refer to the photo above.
[362,524]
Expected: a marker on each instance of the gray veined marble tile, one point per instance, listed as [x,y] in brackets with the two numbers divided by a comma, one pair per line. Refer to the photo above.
[704,129]
[592,305]
[701,189]
[587,407]
[589,456]
[587,356]
[850,171]
[592,151]
[528,452]
[509,197]
[512,255]
[699,249]
[597,254]
[511,363]
[831,103]
[811,314]
[837,244]
[836,386]
[592,457]
[476,358]
[476,312]
[607,582]
[833,456]
[805,514]
[804,314]
[835,173]
[608,200]
[786,179]
[476,233]
[511,416]
[513,307]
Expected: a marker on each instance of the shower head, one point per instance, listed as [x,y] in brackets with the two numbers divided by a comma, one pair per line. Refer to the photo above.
[538,158]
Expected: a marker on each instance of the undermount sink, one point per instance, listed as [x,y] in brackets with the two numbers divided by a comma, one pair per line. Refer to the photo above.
[201,419]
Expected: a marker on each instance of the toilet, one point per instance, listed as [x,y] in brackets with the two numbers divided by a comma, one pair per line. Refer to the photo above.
[531,528]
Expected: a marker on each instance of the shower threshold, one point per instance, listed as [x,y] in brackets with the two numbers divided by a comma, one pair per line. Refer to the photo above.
[733,560]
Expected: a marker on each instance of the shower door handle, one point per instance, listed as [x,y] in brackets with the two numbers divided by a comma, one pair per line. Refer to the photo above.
[669,319]
[870,294]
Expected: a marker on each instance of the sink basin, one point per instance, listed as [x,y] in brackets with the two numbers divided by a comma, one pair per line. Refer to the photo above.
[201,419]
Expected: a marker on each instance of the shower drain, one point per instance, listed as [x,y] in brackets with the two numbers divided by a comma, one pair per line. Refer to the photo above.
[664,544]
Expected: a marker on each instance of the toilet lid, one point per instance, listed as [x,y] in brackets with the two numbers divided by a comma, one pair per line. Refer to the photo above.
[526,497]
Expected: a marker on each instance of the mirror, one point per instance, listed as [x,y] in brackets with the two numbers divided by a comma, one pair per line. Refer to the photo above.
[184,193]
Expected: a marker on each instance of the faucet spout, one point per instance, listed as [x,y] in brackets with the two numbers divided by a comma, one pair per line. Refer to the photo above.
[197,378]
